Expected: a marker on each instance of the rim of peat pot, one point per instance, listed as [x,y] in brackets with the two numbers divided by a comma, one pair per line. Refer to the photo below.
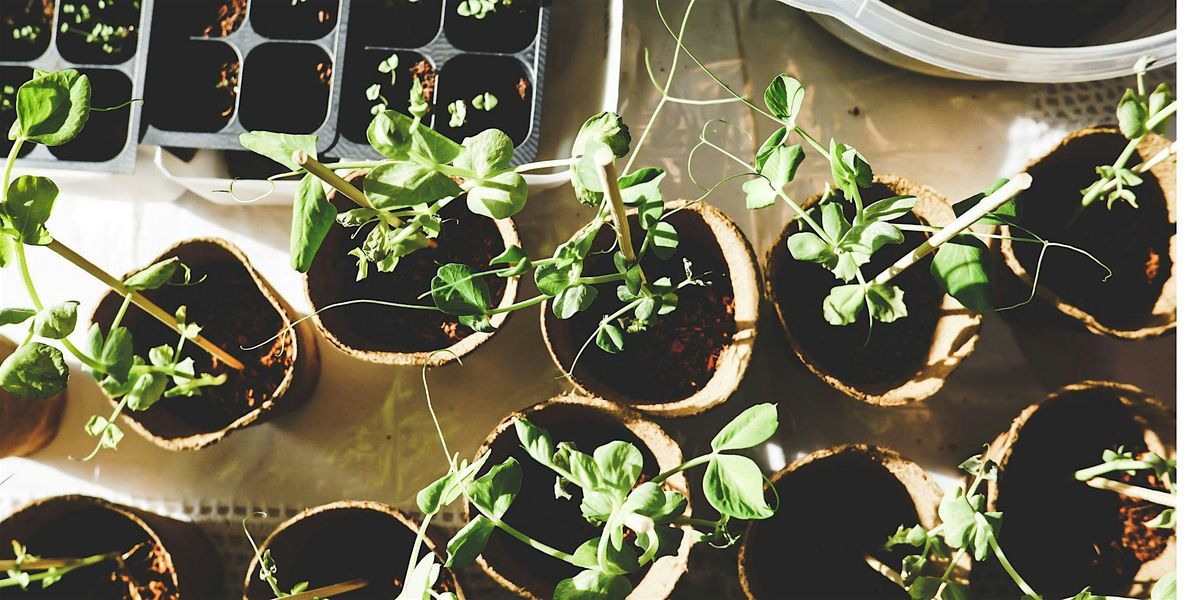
[924,493]
[663,574]
[349,505]
[27,426]
[1145,412]
[433,358]
[299,378]
[745,281]
[955,332]
[191,559]
[1163,314]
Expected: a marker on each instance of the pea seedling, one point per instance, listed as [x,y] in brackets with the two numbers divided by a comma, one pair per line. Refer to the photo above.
[267,569]
[51,109]
[26,569]
[480,8]
[1138,114]
[1119,461]
[78,16]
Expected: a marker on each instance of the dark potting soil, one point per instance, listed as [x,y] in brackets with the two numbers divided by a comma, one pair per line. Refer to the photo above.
[338,545]
[354,112]
[1045,23]
[465,238]
[234,314]
[1060,534]
[107,131]
[289,20]
[538,513]
[1133,242]
[89,531]
[11,78]
[15,16]
[393,23]
[876,357]
[191,86]
[285,88]
[74,44]
[676,357]
[835,511]
[511,28]
[466,76]
[207,18]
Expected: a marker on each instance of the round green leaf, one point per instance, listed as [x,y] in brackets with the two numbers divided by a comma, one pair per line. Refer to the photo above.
[35,371]
[754,426]
[733,485]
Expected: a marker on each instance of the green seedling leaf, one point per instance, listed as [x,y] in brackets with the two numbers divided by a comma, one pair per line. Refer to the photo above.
[961,268]
[808,246]
[485,101]
[390,134]
[1131,115]
[886,302]
[664,240]
[965,525]
[641,189]
[500,196]
[485,154]
[610,339]
[147,389]
[784,96]
[52,107]
[456,291]
[56,322]
[109,433]
[496,490]
[850,170]
[154,276]
[620,464]
[1159,99]
[843,304]
[466,545]
[889,209]
[754,426]
[35,371]
[28,205]
[1165,588]
[552,279]
[8,249]
[449,487]
[733,485]
[593,585]
[117,352]
[536,441]
[516,257]
[279,147]
[776,168]
[405,184]
[312,218]
[433,146]
[573,300]
[1004,214]
[605,131]
[1165,520]
[458,113]
[13,316]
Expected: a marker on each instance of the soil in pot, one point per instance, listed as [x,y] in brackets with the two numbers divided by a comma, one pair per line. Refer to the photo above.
[465,238]
[1133,242]
[466,76]
[354,112]
[1057,23]
[208,18]
[1060,534]
[107,131]
[234,314]
[511,28]
[285,88]
[538,513]
[11,79]
[86,531]
[835,510]
[26,27]
[336,545]
[291,20]
[860,354]
[79,21]
[677,356]
[191,86]
[393,23]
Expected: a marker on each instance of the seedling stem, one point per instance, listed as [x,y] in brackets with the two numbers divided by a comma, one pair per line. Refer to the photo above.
[1133,491]
[608,180]
[327,175]
[327,591]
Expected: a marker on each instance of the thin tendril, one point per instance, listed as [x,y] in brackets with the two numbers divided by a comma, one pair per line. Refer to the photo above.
[292,325]
[429,399]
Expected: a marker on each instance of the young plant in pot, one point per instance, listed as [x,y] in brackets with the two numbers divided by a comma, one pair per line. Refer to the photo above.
[26,426]
[1124,209]
[83,547]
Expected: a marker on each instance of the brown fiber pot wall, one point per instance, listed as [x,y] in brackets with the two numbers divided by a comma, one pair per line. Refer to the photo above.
[519,574]
[191,559]
[293,538]
[299,345]
[955,331]
[314,284]
[1050,308]
[731,363]
[26,426]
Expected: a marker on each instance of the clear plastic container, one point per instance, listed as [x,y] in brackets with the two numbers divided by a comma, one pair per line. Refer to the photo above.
[894,37]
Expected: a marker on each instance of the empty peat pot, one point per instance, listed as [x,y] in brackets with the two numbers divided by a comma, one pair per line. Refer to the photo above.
[340,542]
[26,426]
[166,559]
[888,364]
[402,336]
[1060,534]
[237,309]
[1138,244]
[694,358]
[536,512]
[837,506]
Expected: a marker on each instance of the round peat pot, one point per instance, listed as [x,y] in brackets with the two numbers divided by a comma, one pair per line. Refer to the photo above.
[694,358]
[536,512]
[403,336]
[236,308]
[26,426]
[342,541]
[839,505]
[1138,244]
[886,364]
[1060,534]
[165,559]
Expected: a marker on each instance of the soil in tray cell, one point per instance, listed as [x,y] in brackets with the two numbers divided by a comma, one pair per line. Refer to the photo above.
[285,88]
[393,23]
[466,76]
[208,18]
[103,32]
[105,134]
[25,28]
[511,28]
[11,78]
[365,87]
[291,20]
[191,85]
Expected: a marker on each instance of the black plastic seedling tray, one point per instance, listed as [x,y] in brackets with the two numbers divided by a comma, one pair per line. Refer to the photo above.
[109,142]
